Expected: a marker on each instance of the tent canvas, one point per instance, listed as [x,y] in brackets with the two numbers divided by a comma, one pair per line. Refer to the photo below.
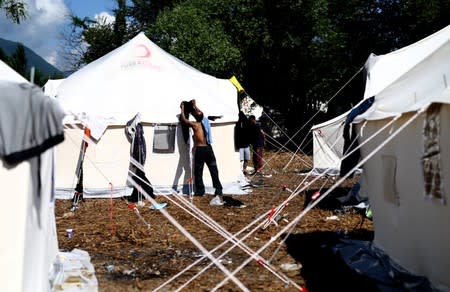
[410,225]
[8,74]
[328,145]
[29,240]
[51,87]
[140,77]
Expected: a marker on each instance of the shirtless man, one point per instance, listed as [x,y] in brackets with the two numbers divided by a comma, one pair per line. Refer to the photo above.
[203,152]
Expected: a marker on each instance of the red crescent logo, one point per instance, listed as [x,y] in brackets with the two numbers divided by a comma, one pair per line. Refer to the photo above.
[146,53]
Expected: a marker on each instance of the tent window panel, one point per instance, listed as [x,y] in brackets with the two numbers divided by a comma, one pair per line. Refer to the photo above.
[389,164]
[164,139]
[431,158]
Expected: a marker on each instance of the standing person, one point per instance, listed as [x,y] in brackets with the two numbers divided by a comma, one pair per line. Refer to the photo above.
[258,142]
[203,152]
[242,140]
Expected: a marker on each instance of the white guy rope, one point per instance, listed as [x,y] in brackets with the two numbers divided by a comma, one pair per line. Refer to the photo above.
[302,214]
[249,251]
[204,218]
[329,100]
[213,250]
[297,190]
[179,226]
[277,144]
[208,221]
[192,239]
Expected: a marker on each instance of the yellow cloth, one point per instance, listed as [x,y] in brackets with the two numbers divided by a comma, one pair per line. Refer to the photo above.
[237,84]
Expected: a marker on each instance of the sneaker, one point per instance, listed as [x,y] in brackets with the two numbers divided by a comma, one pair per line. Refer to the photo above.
[216,201]
[157,206]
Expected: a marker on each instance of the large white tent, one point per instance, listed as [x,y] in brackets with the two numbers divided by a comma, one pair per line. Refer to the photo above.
[140,77]
[29,243]
[407,180]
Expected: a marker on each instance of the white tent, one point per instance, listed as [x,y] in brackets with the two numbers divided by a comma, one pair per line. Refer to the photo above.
[51,87]
[8,74]
[408,180]
[328,145]
[140,77]
[29,242]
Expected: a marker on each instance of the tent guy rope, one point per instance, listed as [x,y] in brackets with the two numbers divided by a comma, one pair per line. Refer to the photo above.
[306,210]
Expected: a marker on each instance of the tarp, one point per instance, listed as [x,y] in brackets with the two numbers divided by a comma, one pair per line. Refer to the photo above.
[373,263]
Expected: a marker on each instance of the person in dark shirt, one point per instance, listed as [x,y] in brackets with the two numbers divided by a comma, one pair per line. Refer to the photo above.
[258,142]
[242,139]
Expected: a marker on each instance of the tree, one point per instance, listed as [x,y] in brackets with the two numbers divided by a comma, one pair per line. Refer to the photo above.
[421,18]
[290,56]
[72,46]
[87,40]
[99,38]
[120,24]
[19,61]
[3,56]
[143,13]
[14,9]
[40,79]
[188,32]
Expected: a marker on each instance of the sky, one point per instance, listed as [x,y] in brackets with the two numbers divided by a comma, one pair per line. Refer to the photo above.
[41,31]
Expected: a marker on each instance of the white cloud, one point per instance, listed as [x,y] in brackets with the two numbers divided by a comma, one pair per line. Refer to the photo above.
[52,57]
[41,30]
[104,18]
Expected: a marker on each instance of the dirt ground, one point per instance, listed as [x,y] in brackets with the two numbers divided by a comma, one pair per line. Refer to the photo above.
[129,255]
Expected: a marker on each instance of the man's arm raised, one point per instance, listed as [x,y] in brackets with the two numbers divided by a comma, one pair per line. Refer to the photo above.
[183,118]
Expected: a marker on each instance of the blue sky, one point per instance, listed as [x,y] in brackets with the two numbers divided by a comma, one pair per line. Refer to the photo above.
[90,7]
[42,30]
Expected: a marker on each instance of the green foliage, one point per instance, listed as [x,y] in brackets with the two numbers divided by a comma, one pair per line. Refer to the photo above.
[40,78]
[420,17]
[18,60]
[290,55]
[3,56]
[143,13]
[98,35]
[188,32]
[14,10]
[120,25]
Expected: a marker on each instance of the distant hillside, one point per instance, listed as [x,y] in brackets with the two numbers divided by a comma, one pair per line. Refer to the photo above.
[34,59]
